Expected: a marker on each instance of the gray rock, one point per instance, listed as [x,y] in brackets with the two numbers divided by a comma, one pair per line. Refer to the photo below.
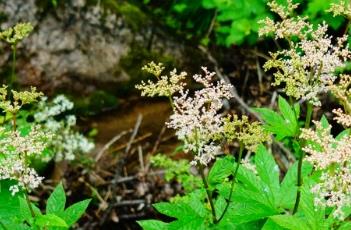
[75,45]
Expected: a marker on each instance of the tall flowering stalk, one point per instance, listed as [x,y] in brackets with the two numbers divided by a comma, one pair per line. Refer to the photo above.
[332,157]
[198,122]
[17,148]
[12,36]
[307,69]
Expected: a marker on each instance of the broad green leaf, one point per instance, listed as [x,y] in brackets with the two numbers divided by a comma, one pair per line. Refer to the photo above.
[288,186]
[324,122]
[9,205]
[222,168]
[153,224]
[345,226]
[75,211]
[246,210]
[274,123]
[57,200]
[297,110]
[50,220]
[13,225]
[220,205]
[288,114]
[25,212]
[188,224]
[342,134]
[176,210]
[271,225]
[290,222]
[315,216]
[268,172]
[196,201]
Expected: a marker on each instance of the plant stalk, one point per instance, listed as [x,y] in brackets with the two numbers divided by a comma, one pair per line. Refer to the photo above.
[13,69]
[299,166]
[241,149]
[29,204]
[209,194]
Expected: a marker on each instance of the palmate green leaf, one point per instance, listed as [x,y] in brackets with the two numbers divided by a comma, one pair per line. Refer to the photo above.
[274,123]
[268,172]
[222,168]
[284,124]
[188,217]
[247,210]
[288,188]
[74,212]
[9,205]
[271,225]
[50,220]
[315,216]
[288,114]
[178,210]
[290,222]
[25,213]
[196,223]
[345,226]
[13,225]
[153,225]
[57,200]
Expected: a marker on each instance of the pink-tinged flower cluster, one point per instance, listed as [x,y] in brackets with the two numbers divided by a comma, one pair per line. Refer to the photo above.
[332,157]
[196,117]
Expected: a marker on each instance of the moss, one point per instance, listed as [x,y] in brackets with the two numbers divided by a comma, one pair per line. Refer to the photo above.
[132,15]
[135,59]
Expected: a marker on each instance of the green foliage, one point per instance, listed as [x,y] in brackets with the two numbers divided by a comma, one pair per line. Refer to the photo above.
[176,170]
[256,197]
[232,22]
[16,214]
[283,124]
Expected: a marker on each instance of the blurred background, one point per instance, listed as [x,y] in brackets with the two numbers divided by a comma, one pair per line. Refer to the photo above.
[92,51]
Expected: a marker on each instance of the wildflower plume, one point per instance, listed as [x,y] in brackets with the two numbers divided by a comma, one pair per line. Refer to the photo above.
[251,134]
[307,67]
[196,115]
[332,157]
[165,86]
[17,33]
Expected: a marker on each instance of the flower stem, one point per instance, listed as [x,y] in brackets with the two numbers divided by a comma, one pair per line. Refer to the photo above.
[29,204]
[13,69]
[171,102]
[241,149]
[308,115]
[209,194]
[299,166]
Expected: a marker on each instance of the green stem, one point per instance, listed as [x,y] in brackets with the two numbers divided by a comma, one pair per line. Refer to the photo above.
[299,166]
[308,115]
[209,194]
[171,102]
[14,122]
[241,149]
[13,69]
[29,204]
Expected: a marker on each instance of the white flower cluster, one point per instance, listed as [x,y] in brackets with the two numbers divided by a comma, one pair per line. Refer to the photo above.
[331,156]
[15,152]
[307,67]
[67,143]
[196,118]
